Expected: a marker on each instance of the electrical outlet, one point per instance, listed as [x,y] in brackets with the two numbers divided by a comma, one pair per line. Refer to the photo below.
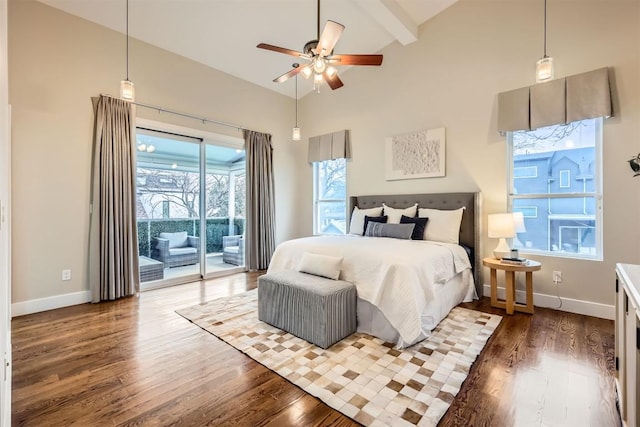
[557,277]
[66,274]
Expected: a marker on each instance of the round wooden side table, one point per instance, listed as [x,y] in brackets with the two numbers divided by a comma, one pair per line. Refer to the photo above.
[510,271]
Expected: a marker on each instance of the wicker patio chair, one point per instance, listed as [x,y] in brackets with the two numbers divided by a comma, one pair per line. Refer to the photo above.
[233,250]
[176,249]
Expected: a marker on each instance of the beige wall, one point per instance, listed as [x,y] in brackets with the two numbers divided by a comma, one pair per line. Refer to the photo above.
[57,62]
[450,77]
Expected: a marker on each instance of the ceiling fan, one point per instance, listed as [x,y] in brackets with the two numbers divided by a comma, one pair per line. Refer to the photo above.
[321,59]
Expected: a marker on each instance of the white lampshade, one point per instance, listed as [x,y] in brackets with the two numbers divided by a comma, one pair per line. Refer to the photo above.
[501,226]
[296,134]
[127,91]
[544,69]
[518,219]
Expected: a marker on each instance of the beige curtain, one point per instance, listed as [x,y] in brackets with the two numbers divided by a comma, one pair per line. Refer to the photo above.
[113,259]
[261,220]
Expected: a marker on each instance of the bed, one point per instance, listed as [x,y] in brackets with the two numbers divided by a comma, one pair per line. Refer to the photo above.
[405,287]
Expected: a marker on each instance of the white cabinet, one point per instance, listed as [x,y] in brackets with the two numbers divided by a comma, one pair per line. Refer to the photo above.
[627,332]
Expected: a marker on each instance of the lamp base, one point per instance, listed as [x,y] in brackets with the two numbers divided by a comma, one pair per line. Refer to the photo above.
[502,250]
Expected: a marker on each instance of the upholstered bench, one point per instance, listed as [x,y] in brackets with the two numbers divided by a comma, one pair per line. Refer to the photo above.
[319,310]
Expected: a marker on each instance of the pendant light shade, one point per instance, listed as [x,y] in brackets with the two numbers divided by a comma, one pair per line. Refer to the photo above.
[296,134]
[127,91]
[544,66]
[544,69]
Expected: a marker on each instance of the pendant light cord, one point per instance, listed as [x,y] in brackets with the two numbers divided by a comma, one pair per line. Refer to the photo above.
[545,28]
[296,100]
[127,40]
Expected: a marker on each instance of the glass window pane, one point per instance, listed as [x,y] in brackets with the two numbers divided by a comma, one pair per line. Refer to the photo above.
[330,197]
[565,225]
[331,218]
[331,179]
[555,159]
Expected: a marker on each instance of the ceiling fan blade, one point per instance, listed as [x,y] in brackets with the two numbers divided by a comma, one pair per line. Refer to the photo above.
[329,37]
[282,50]
[355,59]
[333,82]
[286,76]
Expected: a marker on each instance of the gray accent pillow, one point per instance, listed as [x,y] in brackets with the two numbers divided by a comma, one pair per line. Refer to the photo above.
[396,231]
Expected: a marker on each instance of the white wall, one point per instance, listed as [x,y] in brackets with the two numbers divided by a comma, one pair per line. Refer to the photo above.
[450,78]
[57,62]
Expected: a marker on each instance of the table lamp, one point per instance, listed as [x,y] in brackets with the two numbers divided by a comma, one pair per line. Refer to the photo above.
[502,226]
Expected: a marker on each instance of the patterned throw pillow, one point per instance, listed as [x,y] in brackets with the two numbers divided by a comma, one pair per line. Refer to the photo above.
[396,231]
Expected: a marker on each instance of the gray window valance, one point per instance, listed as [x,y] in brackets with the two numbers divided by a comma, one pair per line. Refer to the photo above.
[329,146]
[578,97]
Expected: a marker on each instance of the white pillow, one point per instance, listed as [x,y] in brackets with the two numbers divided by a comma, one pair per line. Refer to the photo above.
[357,219]
[394,214]
[443,225]
[320,265]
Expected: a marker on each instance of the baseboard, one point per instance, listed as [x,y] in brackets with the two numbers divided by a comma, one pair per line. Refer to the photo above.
[587,308]
[50,303]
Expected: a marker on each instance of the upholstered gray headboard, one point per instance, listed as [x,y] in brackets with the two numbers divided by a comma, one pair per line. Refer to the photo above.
[469,228]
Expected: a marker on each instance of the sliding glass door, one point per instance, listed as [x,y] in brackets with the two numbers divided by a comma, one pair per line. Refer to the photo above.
[225,200]
[190,208]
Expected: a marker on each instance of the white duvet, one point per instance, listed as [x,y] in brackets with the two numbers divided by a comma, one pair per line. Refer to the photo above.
[397,276]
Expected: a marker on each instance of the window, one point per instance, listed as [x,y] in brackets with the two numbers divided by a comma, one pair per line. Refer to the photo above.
[561,204]
[330,196]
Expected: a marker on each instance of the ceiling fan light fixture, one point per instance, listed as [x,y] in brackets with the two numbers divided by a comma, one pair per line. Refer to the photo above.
[306,72]
[331,71]
[317,78]
[319,65]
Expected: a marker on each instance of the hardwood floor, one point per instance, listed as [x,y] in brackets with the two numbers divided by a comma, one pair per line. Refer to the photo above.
[136,362]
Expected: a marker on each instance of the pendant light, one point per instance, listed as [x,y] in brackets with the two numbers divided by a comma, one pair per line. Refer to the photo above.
[544,66]
[296,130]
[127,91]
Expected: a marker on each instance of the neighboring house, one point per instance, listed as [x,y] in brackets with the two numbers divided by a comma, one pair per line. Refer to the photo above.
[571,221]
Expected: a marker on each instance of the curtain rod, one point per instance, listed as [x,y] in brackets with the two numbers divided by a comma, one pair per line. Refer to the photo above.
[178,113]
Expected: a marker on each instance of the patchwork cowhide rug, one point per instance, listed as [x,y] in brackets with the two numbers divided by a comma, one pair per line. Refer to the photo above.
[361,376]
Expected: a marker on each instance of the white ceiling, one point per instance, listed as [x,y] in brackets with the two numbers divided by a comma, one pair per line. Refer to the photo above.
[223,34]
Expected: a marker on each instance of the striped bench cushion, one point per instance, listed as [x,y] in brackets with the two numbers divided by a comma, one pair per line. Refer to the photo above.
[319,310]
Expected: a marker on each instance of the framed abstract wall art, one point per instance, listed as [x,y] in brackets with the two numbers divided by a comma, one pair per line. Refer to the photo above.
[413,155]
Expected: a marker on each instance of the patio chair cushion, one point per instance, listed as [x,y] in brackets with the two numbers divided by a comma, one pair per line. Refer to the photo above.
[182,251]
[176,240]
[232,249]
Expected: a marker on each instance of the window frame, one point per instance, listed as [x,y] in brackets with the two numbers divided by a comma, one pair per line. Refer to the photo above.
[317,202]
[597,195]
